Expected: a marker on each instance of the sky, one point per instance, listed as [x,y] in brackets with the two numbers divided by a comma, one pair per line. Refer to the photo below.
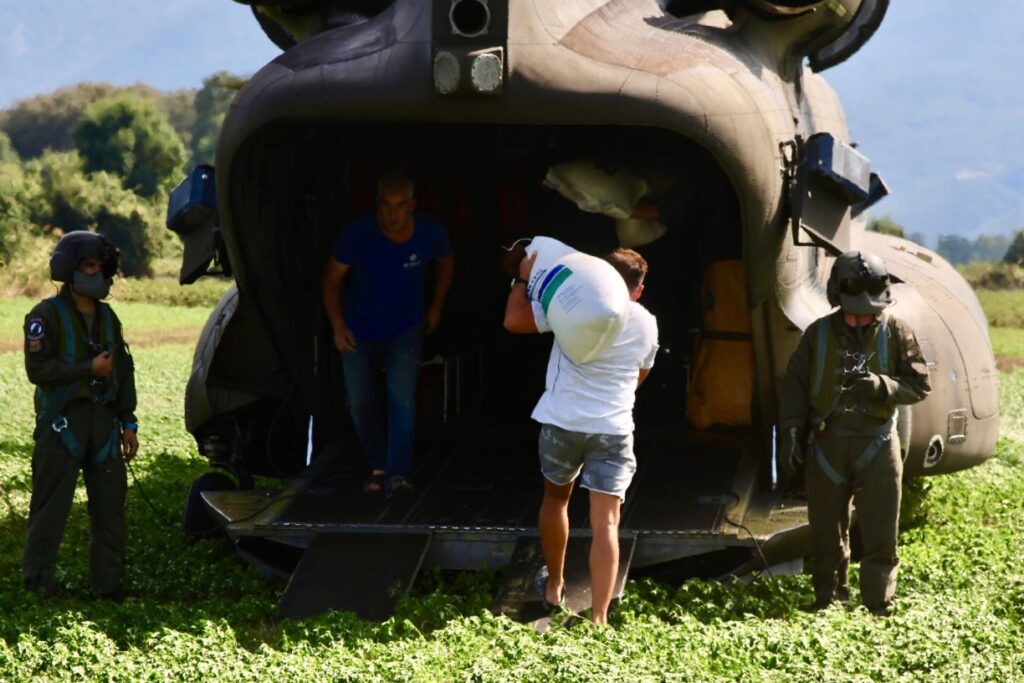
[935,99]
[46,44]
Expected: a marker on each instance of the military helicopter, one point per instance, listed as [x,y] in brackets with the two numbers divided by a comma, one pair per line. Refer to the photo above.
[477,98]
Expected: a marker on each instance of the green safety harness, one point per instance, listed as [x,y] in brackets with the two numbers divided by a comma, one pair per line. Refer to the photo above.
[882,434]
[52,402]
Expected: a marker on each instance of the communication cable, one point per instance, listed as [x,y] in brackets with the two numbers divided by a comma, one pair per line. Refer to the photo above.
[760,552]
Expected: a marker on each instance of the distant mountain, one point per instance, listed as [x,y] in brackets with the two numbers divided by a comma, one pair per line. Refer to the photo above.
[936,100]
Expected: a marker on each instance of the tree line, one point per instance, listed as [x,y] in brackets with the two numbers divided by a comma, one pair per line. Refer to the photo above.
[99,157]
[960,250]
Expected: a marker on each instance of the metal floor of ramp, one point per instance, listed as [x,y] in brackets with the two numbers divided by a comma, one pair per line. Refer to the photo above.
[494,482]
[357,572]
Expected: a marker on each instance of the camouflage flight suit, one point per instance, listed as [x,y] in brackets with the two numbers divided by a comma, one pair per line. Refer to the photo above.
[78,427]
[853,451]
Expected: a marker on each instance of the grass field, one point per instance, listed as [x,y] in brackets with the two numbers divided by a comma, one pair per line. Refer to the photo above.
[205,616]
[1008,344]
[141,321]
[1003,307]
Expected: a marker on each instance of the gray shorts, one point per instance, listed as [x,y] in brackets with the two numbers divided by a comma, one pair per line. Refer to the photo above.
[607,460]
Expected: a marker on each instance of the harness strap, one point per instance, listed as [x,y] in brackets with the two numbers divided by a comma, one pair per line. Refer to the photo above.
[882,434]
[869,453]
[107,321]
[75,448]
[883,344]
[882,353]
[109,449]
[826,466]
[53,404]
[68,328]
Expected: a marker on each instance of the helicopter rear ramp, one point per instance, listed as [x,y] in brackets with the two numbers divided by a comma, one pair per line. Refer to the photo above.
[476,506]
[358,572]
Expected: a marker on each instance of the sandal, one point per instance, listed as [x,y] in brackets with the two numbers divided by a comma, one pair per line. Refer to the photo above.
[374,483]
[540,581]
[399,485]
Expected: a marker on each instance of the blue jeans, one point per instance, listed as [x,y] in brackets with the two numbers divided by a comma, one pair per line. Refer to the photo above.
[399,359]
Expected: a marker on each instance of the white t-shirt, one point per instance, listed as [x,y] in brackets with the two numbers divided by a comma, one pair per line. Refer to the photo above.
[597,397]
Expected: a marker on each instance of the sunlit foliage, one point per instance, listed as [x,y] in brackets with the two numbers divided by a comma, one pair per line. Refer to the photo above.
[203,615]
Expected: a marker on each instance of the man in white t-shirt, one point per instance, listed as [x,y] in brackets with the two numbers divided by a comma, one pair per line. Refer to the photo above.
[586,416]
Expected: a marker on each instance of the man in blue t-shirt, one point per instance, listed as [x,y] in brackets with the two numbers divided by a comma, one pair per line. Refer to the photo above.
[374,294]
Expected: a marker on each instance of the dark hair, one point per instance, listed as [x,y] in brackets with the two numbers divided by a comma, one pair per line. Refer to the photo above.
[395,181]
[631,266]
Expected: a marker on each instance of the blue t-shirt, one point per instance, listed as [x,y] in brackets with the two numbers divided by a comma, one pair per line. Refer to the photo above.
[384,293]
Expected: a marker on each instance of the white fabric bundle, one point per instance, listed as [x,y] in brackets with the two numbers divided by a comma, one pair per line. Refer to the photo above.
[636,232]
[594,190]
[584,298]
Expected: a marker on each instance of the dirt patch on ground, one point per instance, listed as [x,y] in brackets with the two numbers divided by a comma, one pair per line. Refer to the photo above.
[1006,364]
[139,340]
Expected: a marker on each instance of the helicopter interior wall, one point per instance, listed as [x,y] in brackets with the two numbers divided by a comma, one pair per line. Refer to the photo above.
[484,183]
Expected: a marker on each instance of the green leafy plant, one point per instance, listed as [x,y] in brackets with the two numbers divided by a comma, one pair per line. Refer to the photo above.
[203,615]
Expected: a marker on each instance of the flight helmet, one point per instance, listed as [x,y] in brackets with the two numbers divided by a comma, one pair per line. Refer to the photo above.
[78,245]
[859,284]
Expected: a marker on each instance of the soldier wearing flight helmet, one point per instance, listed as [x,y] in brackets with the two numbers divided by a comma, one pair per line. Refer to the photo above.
[837,420]
[76,356]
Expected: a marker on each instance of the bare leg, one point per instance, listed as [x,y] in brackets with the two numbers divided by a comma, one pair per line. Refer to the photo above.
[604,552]
[553,522]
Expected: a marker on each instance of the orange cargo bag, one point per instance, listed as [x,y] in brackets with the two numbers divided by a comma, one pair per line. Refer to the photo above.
[723,373]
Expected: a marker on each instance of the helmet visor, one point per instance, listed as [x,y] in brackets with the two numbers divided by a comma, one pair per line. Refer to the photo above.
[873,285]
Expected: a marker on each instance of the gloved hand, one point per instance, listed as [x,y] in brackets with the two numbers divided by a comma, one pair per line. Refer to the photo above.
[790,453]
[870,387]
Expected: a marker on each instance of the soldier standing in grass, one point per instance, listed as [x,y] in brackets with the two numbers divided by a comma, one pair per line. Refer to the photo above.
[76,356]
[848,373]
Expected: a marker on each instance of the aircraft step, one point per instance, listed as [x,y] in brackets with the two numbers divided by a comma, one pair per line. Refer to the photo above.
[363,573]
[517,596]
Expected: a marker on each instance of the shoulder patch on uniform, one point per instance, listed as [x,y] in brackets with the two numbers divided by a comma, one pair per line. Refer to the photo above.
[35,330]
